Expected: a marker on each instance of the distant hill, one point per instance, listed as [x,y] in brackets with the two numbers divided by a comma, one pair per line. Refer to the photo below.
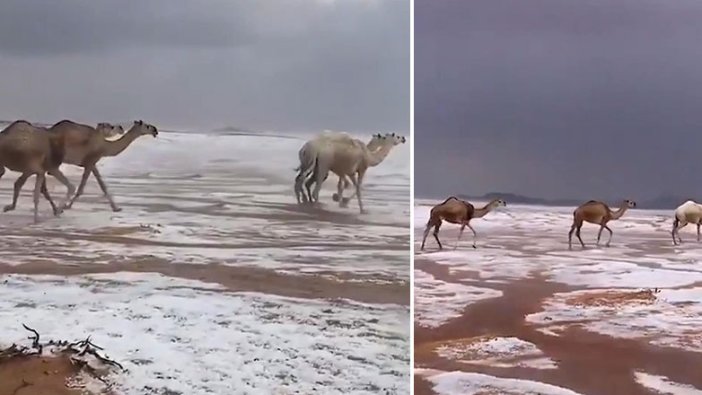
[664,202]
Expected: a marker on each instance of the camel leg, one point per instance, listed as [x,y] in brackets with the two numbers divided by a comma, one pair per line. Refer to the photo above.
[84,179]
[698,231]
[45,192]
[599,235]
[610,235]
[475,235]
[676,223]
[321,171]
[570,236]
[308,186]
[40,177]
[577,234]
[460,232]
[436,235]
[103,186]
[426,233]
[339,195]
[58,174]
[15,195]
[357,184]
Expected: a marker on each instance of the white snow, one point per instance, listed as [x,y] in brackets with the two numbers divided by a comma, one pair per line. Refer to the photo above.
[437,302]
[663,385]
[193,338]
[462,383]
[497,351]
[673,320]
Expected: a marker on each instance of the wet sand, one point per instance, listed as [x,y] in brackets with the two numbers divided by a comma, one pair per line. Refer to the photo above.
[241,279]
[586,362]
[37,376]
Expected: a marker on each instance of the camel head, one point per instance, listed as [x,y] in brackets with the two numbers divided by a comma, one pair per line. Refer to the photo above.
[375,142]
[109,130]
[396,139]
[388,139]
[144,128]
[629,203]
[498,203]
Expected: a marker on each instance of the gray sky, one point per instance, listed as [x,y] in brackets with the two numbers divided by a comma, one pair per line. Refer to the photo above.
[274,64]
[559,98]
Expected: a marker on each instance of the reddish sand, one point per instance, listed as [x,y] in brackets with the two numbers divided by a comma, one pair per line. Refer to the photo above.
[36,376]
[588,363]
[243,278]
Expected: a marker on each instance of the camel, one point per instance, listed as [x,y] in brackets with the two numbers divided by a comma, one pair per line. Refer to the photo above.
[373,145]
[350,159]
[689,212]
[72,141]
[31,150]
[456,211]
[598,213]
[308,154]
[85,148]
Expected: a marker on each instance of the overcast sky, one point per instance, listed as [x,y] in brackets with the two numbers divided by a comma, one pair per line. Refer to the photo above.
[273,64]
[559,98]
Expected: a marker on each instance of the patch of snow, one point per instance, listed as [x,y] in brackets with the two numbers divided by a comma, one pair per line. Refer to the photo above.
[497,352]
[462,383]
[437,302]
[189,337]
[663,385]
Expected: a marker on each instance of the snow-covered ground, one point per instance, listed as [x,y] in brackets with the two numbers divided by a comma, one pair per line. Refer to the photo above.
[190,337]
[528,243]
[216,199]
[228,199]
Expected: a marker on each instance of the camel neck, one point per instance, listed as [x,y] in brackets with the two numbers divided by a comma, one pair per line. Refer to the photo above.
[480,212]
[115,147]
[379,155]
[618,214]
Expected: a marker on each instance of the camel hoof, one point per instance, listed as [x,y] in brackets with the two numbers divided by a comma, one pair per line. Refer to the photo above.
[8,208]
[116,209]
[474,246]
[335,197]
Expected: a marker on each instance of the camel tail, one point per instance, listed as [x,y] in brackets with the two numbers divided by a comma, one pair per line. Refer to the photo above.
[307,161]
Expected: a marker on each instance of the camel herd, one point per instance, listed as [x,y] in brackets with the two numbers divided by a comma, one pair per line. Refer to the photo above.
[346,157]
[456,211]
[33,150]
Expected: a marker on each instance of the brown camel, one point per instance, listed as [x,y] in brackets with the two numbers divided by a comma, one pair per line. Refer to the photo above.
[87,148]
[598,213]
[28,149]
[74,137]
[456,211]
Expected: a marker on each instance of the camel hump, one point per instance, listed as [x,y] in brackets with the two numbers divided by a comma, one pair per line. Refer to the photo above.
[447,200]
[591,201]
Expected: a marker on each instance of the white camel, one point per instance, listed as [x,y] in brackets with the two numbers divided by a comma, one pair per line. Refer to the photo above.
[349,159]
[308,154]
[389,140]
[689,212]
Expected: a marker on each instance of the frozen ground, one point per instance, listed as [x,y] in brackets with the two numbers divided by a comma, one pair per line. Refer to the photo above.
[526,248]
[197,201]
[186,337]
[217,198]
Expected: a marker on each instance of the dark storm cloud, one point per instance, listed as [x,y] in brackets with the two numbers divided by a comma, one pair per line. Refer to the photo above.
[557,98]
[300,64]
